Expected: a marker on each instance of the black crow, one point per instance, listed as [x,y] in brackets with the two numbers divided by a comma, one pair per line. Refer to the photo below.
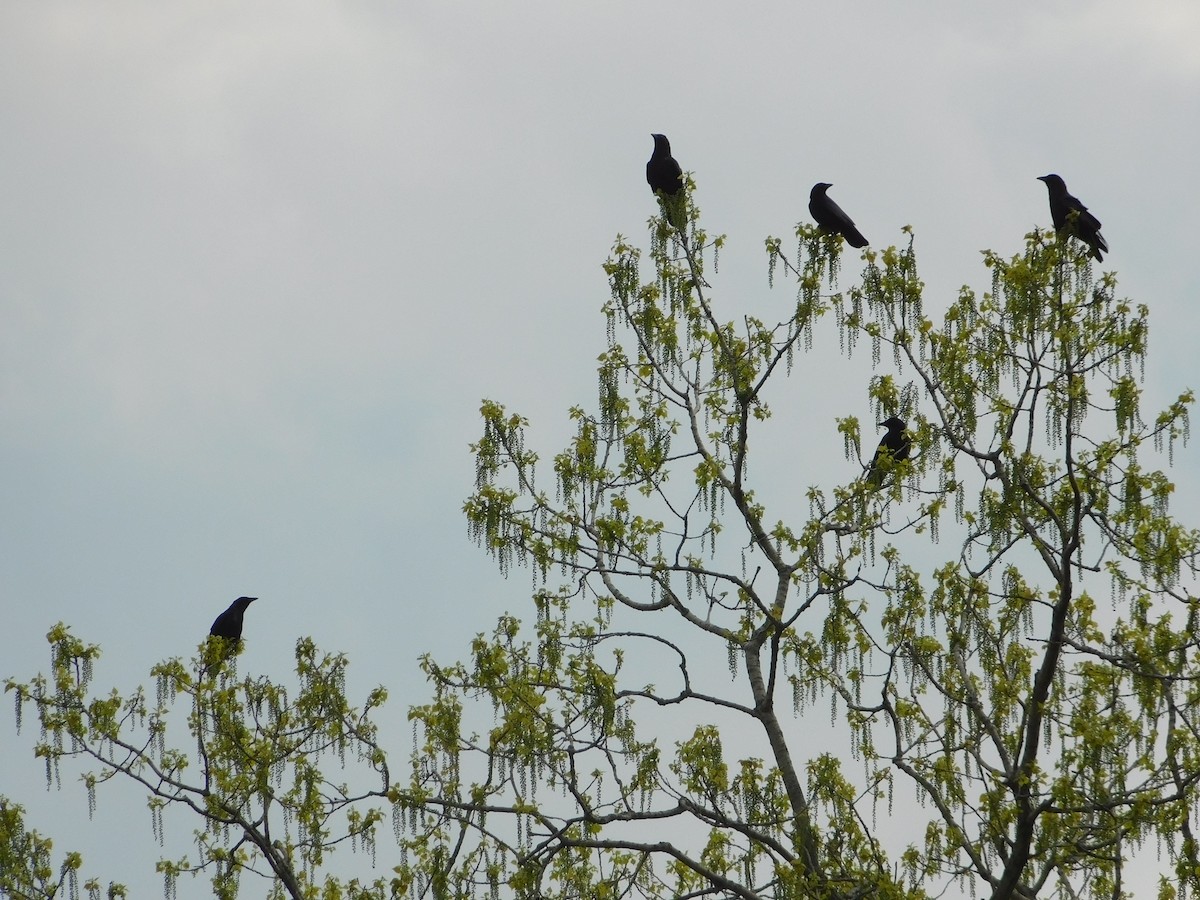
[665,178]
[662,172]
[894,447]
[831,218]
[1071,216]
[229,623]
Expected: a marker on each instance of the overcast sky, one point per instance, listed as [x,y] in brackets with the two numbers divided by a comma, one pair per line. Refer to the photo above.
[260,262]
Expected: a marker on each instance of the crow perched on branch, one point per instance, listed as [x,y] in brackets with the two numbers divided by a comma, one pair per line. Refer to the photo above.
[229,623]
[831,218]
[665,178]
[662,171]
[1072,217]
[893,448]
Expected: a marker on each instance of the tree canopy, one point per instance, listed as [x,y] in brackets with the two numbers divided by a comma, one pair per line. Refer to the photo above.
[975,674]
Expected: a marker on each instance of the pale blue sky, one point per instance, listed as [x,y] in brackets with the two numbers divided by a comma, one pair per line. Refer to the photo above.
[261,262]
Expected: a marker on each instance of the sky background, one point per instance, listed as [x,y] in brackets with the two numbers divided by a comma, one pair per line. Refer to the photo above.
[259,263]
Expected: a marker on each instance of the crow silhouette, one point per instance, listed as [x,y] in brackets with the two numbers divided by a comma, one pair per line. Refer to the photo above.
[894,447]
[831,218]
[665,178]
[1072,217]
[229,623]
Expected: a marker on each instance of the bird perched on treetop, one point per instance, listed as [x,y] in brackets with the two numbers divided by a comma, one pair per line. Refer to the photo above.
[894,447]
[830,216]
[1071,216]
[229,623]
[662,171]
[665,177]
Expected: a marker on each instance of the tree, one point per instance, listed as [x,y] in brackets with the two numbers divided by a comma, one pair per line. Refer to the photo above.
[251,770]
[1045,745]
[653,731]
[27,867]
